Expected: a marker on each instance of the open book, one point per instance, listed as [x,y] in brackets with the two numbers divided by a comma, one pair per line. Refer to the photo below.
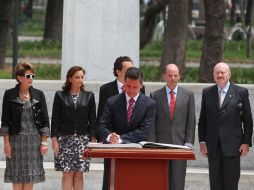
[142,144]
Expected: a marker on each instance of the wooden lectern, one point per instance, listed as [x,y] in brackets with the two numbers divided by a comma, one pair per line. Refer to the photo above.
[136,169]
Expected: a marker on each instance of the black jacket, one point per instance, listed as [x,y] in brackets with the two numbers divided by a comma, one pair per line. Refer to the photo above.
[66,120]
[114,119]
[12,111]
[228,125]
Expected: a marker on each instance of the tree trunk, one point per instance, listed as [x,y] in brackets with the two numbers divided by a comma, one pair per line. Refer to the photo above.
[5,28]
[54,20]
[232,13]
[148,23]
[213,38]
[29,13]
[201,10]
[175,36]
[190,11]
[249,32]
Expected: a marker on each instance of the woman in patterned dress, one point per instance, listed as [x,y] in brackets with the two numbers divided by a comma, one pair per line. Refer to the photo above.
[25,128]
[72,127]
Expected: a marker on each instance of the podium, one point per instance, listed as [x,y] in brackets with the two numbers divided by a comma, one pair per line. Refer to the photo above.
[135,169]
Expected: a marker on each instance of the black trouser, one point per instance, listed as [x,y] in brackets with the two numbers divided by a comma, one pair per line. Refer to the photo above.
[224,171]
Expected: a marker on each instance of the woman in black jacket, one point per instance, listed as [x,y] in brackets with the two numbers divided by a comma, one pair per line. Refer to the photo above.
[72,127]
[25,128]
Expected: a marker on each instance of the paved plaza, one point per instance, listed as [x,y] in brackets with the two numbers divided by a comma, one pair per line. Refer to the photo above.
[196,179]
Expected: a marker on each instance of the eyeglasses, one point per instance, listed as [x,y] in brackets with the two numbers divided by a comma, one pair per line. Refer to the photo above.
[29,76]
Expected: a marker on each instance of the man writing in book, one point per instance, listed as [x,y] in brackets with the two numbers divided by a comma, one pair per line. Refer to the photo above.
[128,117]
[175,121]
[131,114]
[112,88]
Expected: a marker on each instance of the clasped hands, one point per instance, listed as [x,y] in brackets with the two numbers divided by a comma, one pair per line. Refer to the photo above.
[114,138]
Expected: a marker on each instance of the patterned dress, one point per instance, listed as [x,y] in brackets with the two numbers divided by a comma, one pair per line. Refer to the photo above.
[71,148]
[26,163]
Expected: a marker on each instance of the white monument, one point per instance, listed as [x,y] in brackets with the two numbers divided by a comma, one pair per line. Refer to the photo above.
[95,33]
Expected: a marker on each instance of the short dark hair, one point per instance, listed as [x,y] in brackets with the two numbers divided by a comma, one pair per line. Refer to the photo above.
[134,73]
[118,65]
[67,85]
[22,67]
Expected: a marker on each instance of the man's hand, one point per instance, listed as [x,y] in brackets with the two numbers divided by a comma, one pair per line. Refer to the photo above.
[244,149]
[93,139]
[114,138]
[203,149]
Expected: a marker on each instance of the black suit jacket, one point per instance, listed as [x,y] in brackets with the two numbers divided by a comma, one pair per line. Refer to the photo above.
[230,125]
[114,119]
[106,91]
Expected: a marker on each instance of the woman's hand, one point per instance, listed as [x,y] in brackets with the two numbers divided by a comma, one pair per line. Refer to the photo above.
[7,150]
[43,149]
[55,145]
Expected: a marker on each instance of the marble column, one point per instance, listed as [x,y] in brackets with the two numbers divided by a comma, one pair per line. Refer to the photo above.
[95,33]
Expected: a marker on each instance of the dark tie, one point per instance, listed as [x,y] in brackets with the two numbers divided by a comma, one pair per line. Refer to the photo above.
[172,104]
[130,109]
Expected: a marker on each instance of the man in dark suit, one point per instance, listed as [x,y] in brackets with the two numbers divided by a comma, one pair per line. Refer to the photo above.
[175,121]
[128,117]
[128,127]
[225,129]
[107,90]
[115,87]
[112,88]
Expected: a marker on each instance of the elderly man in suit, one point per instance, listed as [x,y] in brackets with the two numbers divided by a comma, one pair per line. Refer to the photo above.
[175,121]
[225,129]
[109,89]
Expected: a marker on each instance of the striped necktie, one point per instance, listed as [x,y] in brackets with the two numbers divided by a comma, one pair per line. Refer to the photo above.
[130,109]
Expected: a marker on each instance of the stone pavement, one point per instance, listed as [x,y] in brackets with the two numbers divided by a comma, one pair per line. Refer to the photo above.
[92,179]
[196,179]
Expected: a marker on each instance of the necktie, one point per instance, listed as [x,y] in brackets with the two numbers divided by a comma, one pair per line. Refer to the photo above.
[172,104]
[221,96]
[130,109]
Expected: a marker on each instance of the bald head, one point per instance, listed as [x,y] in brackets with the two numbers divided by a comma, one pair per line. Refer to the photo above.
[221,74]
[171,75]
[222,65]
[171,67]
